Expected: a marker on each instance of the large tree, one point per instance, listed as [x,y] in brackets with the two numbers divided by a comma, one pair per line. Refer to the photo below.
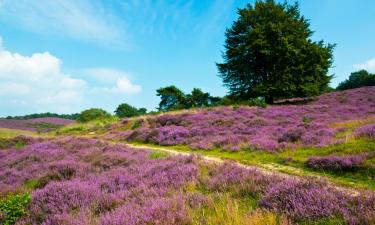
[269,53]
[172,98]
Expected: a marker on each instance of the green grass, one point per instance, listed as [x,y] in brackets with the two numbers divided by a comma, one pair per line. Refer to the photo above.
[158,155]
[11,133]
[99,126]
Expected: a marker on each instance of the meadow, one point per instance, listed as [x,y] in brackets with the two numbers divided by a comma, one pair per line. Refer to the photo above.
[308,164]
[85,181]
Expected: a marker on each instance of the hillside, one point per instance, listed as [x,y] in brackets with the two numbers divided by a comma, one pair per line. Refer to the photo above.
[319,123]
[282,138]
[289,164]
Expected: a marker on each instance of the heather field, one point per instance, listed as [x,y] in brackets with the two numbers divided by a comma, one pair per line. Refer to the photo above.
[38,124]
[272,129]
[309,164]
[71,180]
[337,128]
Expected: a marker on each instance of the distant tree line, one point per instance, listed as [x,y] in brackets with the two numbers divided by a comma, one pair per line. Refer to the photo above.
[357,79]
[73,116]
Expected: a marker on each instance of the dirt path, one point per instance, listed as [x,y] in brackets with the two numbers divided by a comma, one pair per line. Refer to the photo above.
[269,169]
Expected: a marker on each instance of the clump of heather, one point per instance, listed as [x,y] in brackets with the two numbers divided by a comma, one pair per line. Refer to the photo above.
[309,201]
[159,211]
[230,177]
[336,162]
[367,131]
[17,142]
[270,129]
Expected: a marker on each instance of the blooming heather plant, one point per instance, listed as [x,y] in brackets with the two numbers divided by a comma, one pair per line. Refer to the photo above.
[367,131]
[335,162]
[309,201]
[271,129]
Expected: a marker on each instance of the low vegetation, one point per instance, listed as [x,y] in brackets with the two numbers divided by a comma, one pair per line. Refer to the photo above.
[86,181]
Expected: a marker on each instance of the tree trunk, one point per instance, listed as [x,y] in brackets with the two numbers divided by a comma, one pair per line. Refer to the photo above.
[269,100]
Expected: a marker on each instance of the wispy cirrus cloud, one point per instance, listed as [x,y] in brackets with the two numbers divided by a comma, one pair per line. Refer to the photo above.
[83,20]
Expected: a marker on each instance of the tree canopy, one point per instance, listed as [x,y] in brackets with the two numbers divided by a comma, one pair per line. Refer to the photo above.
[269,53]
[92,114]
[173,98]
[126,110]
[357,79]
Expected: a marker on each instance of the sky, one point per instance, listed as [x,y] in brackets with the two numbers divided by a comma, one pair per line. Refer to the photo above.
[64,56]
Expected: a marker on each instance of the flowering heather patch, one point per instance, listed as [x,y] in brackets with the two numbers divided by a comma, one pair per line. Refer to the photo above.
[335,162]
[273,128]
[80,180]
[305,200]
[367,131]
[86,181]
[44,124]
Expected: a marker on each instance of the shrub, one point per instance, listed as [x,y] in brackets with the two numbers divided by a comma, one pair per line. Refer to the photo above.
[292,135]
[92,114]
[126,110]
[367,131]
[334,162]
[357,79]
[312,201]
[13,207]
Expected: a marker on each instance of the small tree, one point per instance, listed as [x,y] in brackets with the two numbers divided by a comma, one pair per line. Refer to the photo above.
[172,98]
[357,79]
[126,110]
[269,53]
[198,98]
[92,114]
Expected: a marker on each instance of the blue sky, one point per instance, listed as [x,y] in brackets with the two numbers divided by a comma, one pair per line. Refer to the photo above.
[67,55]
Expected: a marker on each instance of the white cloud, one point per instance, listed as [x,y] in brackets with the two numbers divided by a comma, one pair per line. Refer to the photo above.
[38,81]
[123,85]
[119,79]
[369,65]
[84,19]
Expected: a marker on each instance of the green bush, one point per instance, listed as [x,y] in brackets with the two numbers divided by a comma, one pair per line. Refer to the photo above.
[13,207]
[92,114]
[357,79]
[126,110]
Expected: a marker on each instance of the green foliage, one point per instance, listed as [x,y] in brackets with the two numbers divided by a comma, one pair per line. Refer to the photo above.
[97,126]
[269,53]
[198,98]
[13,207]
[172,98]
[44,127]
[92,114]
[158,155]
[43,115]
[126,110]
[357,79]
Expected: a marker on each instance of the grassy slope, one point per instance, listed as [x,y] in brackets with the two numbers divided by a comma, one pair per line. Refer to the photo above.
[10,133]
[289,161]
[292,161]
